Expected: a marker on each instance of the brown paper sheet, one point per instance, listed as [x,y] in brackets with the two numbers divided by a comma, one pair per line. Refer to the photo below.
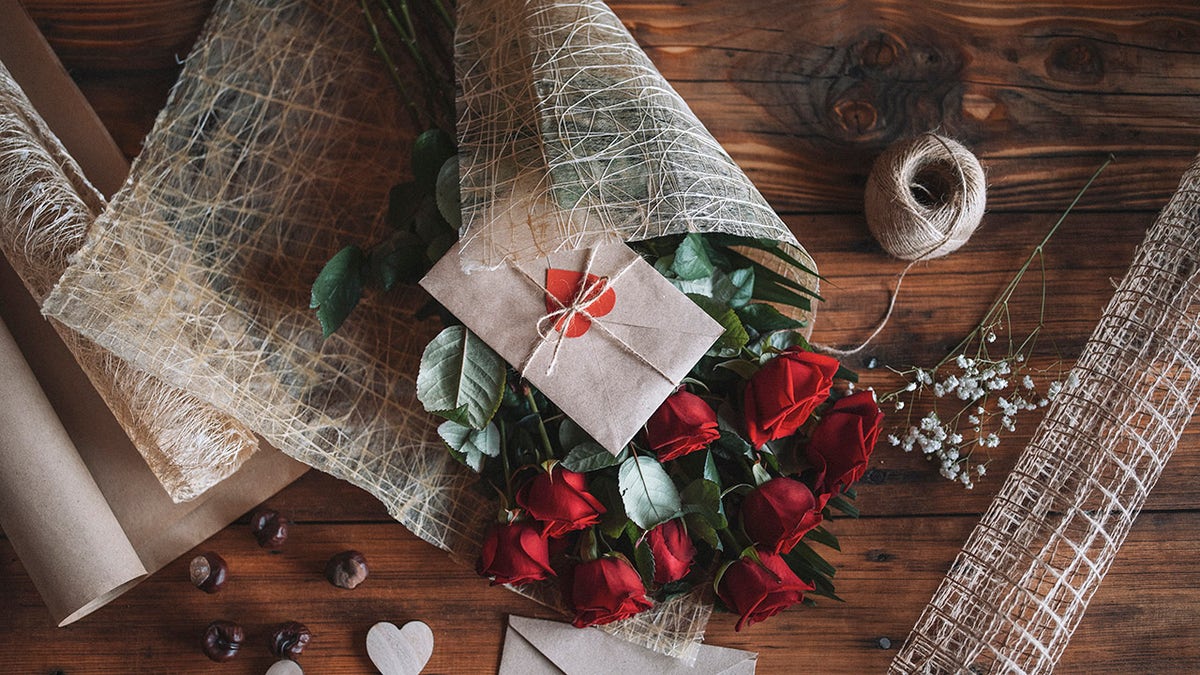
[69,541]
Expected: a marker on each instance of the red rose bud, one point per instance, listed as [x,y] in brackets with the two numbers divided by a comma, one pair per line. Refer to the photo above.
[673,551]
[760,591]
[683,423]
[559,500]
[605,590]
[778,513]
[515,553]
[843,440]
[782,394]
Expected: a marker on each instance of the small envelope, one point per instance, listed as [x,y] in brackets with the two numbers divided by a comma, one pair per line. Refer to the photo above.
[608,365]
[534,646]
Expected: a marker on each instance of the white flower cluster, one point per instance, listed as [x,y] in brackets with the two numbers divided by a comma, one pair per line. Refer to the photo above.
[994,392]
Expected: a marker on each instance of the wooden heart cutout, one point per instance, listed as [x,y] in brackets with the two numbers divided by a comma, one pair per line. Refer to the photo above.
[563,288]
[400,651]
[285,667]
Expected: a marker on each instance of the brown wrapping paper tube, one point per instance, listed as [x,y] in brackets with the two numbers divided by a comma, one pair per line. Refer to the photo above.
[51,509]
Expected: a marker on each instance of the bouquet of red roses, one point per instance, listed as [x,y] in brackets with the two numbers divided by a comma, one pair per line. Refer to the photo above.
[729,482]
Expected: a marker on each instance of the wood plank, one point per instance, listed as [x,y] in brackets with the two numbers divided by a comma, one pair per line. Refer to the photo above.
[888,569]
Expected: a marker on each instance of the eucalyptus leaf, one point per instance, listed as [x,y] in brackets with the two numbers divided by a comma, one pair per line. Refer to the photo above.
[589,456]
[472,445]
[691,259]
[649,495]
[458,369]
[338,288]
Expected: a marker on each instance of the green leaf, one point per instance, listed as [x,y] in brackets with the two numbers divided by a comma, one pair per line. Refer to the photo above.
[431,149]
[338,288]
[449,202]
[765,318]
[691,259]
[735,336]
[734,289]
[823,536]
[699,526]
[438,247]
[768,291]
[814,559]
[643,558]
[571,434]
[773,343]
[589,456]
[761,475]
[846,507]
[403,200]
[649,495]
[400,258]
[458,369]
[471,445]
[744,369]
[844,373]
[702,286]
[429,223]
[731,444]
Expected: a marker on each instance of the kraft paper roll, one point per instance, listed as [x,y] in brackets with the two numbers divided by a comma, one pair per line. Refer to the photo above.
[51,509]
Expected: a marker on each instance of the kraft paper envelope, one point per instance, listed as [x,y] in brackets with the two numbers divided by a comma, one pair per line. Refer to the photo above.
[644,338]
[534,646]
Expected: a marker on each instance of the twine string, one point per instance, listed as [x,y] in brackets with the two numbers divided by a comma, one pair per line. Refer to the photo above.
[566,312]
[909,229]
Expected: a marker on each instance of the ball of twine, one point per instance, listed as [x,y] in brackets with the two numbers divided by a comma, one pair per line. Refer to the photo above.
[925,197]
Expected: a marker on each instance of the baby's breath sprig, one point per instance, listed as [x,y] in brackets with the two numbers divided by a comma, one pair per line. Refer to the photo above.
[985,390]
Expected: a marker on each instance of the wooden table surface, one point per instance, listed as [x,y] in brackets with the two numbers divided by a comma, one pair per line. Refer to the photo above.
[804,95]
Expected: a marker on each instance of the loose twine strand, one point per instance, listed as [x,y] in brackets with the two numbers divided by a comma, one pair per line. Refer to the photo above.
[587,294]
[924,198]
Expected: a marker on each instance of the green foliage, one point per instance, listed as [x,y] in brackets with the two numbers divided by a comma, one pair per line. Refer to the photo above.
[430,151]
[691,259]
[468,445]
[589,456]
[461,378]
[338,288]
[649,495]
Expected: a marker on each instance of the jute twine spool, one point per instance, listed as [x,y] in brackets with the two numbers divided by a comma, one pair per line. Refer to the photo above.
[925,197]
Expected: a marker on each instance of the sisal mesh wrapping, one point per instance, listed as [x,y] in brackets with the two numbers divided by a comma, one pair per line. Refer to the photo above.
[46,208]
[570,137]
[1021,584]
[276,149]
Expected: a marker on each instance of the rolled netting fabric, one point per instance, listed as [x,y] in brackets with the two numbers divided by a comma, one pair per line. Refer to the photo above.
[1020,586]
[46,208]
[571,138]
[276,149]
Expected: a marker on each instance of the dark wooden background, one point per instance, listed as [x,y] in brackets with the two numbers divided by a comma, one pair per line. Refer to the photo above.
[804,95]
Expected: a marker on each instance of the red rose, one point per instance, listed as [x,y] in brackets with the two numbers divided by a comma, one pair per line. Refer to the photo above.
[778,513]
[605,590]
[558,499]
[673,551]
[683,423]
[515,553]
[782,394]
[843,440]
[760,591]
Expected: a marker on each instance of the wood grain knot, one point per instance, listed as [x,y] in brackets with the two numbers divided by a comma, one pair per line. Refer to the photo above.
[879,555]
[1075,60]
[881,85]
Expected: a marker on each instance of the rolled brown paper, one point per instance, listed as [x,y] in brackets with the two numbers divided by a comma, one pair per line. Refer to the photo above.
[51,509]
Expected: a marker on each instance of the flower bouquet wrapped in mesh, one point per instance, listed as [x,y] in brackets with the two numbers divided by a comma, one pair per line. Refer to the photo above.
[274,159]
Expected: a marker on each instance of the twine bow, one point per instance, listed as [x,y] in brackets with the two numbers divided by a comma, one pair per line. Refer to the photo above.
[554,325]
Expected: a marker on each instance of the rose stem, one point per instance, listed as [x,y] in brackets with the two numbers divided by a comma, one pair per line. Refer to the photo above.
[541,425]
[508,493]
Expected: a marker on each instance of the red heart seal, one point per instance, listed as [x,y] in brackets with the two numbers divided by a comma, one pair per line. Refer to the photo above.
[564,289]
